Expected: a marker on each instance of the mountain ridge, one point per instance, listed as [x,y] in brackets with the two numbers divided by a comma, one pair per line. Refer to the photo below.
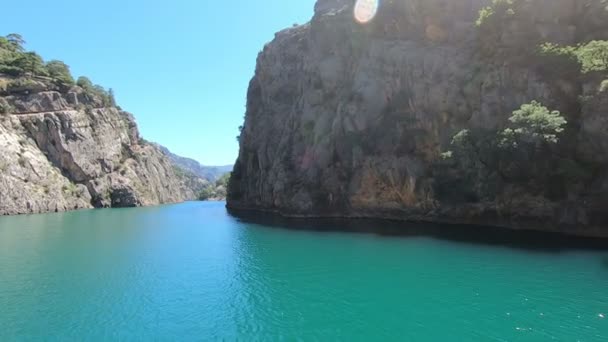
[210,173]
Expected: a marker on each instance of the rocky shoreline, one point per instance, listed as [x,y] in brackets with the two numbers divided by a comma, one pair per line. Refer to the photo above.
[403,220]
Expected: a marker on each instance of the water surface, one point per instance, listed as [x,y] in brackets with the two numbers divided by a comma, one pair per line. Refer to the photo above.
[192,272]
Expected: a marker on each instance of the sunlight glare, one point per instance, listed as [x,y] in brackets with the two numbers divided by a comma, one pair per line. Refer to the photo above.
[365,10]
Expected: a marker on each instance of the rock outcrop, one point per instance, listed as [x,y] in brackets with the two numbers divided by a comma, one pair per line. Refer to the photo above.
[346,119]
[62,150]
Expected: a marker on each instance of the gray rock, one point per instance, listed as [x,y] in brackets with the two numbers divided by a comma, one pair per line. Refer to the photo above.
[64,151]
[349,120]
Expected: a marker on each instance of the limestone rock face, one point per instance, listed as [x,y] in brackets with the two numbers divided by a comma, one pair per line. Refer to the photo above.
[64,151]
[349,119]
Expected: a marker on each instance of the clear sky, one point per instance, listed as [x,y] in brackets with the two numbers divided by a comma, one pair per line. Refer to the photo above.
[182,67]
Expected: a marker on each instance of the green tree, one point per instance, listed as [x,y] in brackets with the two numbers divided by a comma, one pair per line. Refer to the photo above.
[31,63]
[85,83]
[5,45]
[60,71]
[520,151]
[533,124]
[592,56]
[106,96]
[99,89]
[111,97]
[16,41]
[499,10]
[103,94]
[8,55]
[206,194]
[223,180]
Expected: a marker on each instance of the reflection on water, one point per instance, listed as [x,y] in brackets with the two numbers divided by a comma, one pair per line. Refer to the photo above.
[191,271]
[520,239]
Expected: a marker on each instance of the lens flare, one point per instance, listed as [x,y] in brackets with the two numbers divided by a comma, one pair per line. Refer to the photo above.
[365,10]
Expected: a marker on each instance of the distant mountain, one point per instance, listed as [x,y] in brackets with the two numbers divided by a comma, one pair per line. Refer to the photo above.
[210,173]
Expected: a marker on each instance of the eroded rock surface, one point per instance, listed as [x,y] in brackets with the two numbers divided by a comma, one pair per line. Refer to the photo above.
[62,150]
[348,119]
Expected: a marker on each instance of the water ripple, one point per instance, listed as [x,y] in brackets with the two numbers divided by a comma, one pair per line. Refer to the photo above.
[191,272]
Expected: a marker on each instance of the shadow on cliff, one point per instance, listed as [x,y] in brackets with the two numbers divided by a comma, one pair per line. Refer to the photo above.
[518,239]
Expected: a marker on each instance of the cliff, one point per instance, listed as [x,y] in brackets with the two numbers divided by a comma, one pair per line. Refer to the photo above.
[63,148]
[352,119]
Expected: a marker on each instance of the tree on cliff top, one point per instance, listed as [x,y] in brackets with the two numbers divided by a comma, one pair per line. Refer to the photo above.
[25,65]
[106,96]
[16,41]
[111,97]
[31,63]
[15,61]
[60,71]
[84,82]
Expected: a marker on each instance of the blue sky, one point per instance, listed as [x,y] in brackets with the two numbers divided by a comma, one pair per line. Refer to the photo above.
[182,67]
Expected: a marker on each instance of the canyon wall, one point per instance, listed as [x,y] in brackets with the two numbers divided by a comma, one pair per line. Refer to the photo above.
[62,149]
[351,119]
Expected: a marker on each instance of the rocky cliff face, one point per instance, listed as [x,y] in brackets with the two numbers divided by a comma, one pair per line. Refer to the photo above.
[63,150]
[349,119]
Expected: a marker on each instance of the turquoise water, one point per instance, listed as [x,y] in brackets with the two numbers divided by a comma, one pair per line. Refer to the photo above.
[192,272]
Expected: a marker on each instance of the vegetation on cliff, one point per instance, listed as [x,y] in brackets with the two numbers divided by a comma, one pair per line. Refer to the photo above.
[217,190]
[494,15]
[67,144]
[527,152]
[522,153]
[27,67]
[435,110]
[590,57]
